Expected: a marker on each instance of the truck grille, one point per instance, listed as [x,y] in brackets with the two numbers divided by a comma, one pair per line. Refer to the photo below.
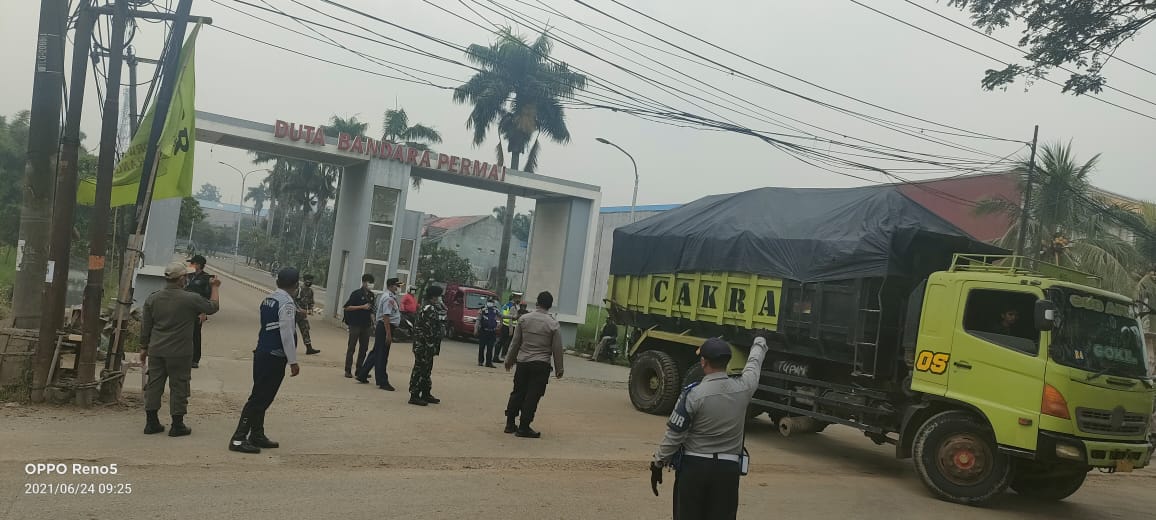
[1111,422]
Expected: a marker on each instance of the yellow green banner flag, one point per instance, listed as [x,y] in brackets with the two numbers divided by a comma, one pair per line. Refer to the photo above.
[175,149]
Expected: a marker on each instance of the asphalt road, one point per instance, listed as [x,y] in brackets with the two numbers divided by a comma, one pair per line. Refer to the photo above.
[353,451]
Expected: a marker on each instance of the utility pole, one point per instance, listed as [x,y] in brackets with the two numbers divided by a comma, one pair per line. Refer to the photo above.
[98,227]
[40,168]
[62,211]
[1025,213]
[133,118]
[164,97]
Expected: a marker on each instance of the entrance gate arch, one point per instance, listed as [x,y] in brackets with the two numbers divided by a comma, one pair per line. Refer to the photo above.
[562,233]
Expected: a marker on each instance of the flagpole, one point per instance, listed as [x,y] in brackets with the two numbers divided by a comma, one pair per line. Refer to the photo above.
[134,252]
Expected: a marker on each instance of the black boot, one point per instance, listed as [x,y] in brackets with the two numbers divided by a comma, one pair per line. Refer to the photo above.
[179,429]
[429,398]
[417,400]
[510,426]
[240,441]
[525,431]
[309,350]
[257,434]
[153,423]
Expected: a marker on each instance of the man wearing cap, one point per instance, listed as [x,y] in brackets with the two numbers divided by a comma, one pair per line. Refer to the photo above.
[387,317]
[276,347]
[704,435]
[166,340]
[509,318]
[486,329]
[537,341]
[304,302]
[198,282]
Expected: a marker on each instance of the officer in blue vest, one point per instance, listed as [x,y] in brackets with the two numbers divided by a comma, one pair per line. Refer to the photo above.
[276,347]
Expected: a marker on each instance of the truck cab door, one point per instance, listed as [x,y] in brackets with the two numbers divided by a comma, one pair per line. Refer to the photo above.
[996,363]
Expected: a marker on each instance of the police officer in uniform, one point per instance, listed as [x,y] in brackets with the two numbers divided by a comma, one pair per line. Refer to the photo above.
[704,435]
[198,282]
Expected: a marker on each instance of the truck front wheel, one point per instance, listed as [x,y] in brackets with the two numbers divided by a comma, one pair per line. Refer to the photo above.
[654,382]
[1048,487]
[956,458]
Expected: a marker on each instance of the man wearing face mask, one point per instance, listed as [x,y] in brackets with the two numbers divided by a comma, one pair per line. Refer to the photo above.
[486,329]
[166,340]
[359,318]
[304,301]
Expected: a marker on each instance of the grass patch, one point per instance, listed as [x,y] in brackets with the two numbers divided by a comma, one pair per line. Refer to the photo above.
[7,273]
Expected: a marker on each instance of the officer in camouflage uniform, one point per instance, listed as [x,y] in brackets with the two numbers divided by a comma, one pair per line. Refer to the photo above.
[426,342]
[304,301]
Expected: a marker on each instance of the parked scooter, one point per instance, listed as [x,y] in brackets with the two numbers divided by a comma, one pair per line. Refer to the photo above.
[404,330]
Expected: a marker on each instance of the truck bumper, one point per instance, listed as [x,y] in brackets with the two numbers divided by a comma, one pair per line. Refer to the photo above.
[1057,447]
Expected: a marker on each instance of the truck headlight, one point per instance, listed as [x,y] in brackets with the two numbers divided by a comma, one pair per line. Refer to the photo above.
[1068,451]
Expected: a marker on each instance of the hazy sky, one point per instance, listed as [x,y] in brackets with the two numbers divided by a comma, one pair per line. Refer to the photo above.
[833,43]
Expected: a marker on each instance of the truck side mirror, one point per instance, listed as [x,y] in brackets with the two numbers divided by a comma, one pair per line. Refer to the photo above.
[1045,315]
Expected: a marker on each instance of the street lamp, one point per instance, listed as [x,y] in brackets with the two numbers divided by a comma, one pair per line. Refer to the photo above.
[240,210]
[633,200]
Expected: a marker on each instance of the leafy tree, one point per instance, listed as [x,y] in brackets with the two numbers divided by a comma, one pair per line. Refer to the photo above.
[209,192]
[13,153]
[439,264]
[396,128]
[191,215]
[519,89]
[1063,226]
[522,222]
[1083,35]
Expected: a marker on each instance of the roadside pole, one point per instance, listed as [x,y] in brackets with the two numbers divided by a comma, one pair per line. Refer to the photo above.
[52,313]
[1025,213]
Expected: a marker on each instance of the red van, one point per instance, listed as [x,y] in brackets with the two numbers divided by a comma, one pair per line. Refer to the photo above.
[463,304]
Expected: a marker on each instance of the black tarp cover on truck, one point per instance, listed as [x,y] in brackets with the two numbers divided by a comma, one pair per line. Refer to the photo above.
[803,234]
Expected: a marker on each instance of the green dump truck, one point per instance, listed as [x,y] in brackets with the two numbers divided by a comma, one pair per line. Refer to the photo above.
[989,371]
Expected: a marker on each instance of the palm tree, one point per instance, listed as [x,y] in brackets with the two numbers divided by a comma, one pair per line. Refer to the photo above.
[258,194]
[396,128]
[1064,226]
[520,90]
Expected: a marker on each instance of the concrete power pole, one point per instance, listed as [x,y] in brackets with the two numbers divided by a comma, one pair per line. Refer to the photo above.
[62,211]
[40,169]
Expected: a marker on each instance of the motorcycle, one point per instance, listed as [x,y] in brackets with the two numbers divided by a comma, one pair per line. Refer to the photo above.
[404,330]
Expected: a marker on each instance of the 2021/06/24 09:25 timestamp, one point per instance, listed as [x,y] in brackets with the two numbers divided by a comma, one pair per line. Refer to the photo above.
[77,488]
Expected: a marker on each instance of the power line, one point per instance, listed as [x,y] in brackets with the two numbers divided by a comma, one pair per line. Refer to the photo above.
[762,65]
[1017,49]
[990,57]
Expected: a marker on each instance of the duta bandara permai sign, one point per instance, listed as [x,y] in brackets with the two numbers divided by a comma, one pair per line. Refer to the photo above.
[387,150]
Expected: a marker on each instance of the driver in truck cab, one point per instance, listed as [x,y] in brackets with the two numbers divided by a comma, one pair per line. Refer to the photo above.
[704,435]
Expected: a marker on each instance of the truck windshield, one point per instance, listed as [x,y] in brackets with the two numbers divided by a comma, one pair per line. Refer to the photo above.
[475,300]
[1098,335]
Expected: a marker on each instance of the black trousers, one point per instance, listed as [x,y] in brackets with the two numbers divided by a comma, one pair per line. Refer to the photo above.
[197,341]
[530,380]
[268,372]
[358,335]
[706,489]
[486,340]
[378,358]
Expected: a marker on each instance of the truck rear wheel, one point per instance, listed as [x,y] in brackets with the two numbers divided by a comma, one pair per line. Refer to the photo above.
[956,458]
[1048,487]
[654,382]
